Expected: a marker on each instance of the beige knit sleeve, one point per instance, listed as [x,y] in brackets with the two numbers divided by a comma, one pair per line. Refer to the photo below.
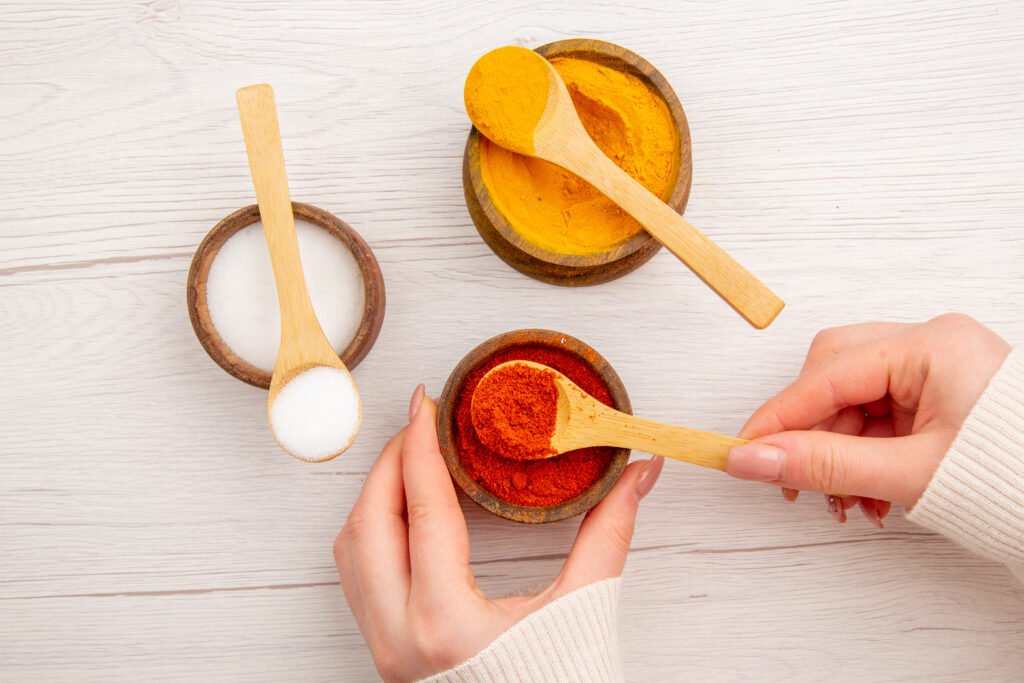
[976,496]
[575,638]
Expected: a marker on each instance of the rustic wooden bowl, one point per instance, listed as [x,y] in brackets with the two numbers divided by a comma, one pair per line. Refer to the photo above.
[199,313]
[446,418]
[573,269]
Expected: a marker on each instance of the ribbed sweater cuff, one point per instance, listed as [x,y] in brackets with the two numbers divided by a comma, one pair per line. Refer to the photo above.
[976,496]
[572,639]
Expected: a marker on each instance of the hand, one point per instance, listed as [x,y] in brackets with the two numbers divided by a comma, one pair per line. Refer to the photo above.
[403,556]
[880,402]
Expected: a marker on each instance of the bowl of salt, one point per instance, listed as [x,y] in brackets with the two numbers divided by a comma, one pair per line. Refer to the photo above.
[232,301]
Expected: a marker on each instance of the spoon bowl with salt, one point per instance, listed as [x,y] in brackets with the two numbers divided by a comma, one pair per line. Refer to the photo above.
[527,411]
[313,407]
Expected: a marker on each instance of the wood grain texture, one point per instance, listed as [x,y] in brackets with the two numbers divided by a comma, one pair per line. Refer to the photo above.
[863,158]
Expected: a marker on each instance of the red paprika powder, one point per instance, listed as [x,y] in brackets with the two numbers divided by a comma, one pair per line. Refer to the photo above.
[514,411]
[531,483]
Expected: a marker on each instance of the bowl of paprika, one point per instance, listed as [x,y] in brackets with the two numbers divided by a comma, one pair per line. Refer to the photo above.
[531,491]
[554,226]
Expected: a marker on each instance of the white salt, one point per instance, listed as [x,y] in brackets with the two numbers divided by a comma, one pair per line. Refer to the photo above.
[242,298]
[316,414]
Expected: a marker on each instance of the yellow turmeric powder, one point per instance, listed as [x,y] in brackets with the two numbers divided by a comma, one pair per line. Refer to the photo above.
[506,93]
[559,211]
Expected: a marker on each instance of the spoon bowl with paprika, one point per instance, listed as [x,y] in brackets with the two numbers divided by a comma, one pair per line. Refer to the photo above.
[527,411]
[517,99]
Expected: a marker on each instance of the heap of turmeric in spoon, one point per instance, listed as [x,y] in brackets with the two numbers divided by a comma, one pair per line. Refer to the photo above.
[526,411]
[518,101]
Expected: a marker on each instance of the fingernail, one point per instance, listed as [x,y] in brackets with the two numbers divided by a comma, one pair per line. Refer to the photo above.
[790,494]
[416,401]
[870,508]
[757,462]
[836,509]
[883,507]
[649,477]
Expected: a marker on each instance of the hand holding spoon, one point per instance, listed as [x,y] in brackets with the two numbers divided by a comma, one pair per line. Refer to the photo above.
[510,418]
[313,406]
[517,99]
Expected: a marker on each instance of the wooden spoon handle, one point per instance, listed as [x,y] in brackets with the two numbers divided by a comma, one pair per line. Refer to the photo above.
[712,264]
[706,449]
[262,135]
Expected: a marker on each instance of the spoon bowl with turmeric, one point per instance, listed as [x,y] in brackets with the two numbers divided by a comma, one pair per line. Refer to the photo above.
[526,411]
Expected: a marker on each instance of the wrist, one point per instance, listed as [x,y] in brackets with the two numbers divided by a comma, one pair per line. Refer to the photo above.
[976,496]
[572,638]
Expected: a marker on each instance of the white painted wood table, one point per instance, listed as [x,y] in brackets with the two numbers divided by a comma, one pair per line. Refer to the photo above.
[864,159]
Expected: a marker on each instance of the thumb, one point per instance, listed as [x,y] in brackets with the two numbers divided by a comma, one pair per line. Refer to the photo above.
[883,468]
[602,542]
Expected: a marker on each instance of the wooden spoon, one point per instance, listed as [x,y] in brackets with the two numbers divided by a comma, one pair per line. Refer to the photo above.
[303,343]
[517,99]
[582,422]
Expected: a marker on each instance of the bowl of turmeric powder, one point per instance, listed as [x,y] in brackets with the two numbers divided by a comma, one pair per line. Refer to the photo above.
[532,491]
[549,223]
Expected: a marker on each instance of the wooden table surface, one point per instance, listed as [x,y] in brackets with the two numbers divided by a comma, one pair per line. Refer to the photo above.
[864,159]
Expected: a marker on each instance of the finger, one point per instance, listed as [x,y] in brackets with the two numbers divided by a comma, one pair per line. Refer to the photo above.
[849,421]
[846,421]
[841,504]
[371,550]
[383,490]
[850,378]
[888,469]
[826,424]
[836,339]
[438,538]
[878,428]
[838,505]
[836,508]
[903,420]
[602,542]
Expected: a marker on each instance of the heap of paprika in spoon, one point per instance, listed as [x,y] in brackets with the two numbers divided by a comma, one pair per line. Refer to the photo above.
[526,410]
[530,483]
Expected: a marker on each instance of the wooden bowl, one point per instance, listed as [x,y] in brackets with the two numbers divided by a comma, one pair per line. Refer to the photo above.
[446,420]
[199,313]
[573,269]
